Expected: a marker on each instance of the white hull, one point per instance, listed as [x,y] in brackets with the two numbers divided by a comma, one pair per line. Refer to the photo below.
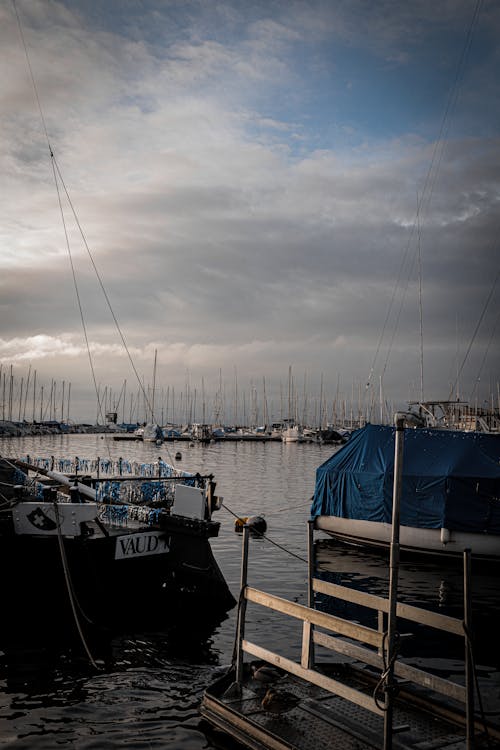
[432,541]
[152,433]
[293,435]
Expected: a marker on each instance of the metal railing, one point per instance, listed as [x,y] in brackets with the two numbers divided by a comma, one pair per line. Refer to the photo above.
[364,644]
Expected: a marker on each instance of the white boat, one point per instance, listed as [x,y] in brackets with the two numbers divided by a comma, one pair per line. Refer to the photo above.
[293,434]
[457,415]
[152,433]
[450,491]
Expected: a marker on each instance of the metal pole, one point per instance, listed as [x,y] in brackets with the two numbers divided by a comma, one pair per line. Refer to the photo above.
[393,580]
[469,670]
[309,631]
[242,606]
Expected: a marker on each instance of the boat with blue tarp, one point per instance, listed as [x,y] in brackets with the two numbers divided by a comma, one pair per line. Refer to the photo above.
[450,491]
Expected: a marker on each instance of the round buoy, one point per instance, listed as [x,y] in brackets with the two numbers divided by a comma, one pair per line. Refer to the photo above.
[257,524]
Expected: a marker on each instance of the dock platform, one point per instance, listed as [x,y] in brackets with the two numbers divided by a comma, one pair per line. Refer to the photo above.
[364,696]
[322,720]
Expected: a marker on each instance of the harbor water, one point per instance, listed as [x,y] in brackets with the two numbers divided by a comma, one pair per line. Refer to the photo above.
[147,691]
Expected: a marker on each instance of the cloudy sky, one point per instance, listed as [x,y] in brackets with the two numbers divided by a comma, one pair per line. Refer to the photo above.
[261,184]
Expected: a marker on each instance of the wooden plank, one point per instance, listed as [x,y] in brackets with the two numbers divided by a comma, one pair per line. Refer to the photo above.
[350,595]
[432,619]
[316,678]
[407,611]
[305,658]
[315,617]
[406,671]
[240,727]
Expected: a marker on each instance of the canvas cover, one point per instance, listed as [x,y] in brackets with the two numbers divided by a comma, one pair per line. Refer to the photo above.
[451,479]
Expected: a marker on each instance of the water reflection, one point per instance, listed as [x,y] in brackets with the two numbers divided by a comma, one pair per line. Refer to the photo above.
[148,692]
[33,665]
[429,584]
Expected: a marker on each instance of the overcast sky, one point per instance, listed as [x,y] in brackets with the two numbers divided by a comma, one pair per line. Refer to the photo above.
[260,184]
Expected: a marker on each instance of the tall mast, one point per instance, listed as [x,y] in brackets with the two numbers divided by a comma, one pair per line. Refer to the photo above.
[34,396]
[289,393]
[154,388]
[62,400]
[321,425]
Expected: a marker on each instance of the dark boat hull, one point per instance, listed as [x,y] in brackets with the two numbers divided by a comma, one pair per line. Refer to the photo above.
[130,577]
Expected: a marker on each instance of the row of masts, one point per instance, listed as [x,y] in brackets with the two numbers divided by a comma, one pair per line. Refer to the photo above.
[27,398]
[250,407]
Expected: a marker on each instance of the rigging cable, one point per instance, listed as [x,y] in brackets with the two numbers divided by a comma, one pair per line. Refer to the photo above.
[486,352]
[473,338]
[82,318]
[101,284]
[57,174]
[55,171]
[428,188]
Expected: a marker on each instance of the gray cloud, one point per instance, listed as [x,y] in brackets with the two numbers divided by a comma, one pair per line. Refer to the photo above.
[218,243]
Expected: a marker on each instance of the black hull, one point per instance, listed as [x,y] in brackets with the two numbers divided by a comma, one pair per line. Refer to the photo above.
[43,588]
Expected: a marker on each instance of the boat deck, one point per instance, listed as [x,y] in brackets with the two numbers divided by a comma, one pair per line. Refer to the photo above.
[322,720]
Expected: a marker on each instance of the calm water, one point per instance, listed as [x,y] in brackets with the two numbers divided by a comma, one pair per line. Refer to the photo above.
[148,690]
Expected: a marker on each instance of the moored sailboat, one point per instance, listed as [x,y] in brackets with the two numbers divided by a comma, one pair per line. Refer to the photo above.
[101,551]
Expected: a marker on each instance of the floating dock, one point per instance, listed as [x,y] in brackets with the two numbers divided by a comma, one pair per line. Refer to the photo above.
[322,720]
[364,697]
[230,437]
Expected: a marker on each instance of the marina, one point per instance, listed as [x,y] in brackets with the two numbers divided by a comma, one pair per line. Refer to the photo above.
[144,672]
[205,561]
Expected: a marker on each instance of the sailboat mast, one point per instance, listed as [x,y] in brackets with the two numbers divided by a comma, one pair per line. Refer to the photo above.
[154,388]
[420,305]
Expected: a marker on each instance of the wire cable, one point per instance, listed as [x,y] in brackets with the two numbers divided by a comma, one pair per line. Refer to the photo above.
[427,191]
[268,539]
[473,338]
[59,178]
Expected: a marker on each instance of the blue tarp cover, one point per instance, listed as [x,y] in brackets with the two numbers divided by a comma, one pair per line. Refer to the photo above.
[450,479]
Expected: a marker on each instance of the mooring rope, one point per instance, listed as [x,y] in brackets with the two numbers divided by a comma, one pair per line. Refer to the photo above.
[71,594]
[387,668]
[268,539]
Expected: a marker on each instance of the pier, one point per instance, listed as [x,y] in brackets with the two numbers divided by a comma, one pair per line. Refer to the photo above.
[362,697]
